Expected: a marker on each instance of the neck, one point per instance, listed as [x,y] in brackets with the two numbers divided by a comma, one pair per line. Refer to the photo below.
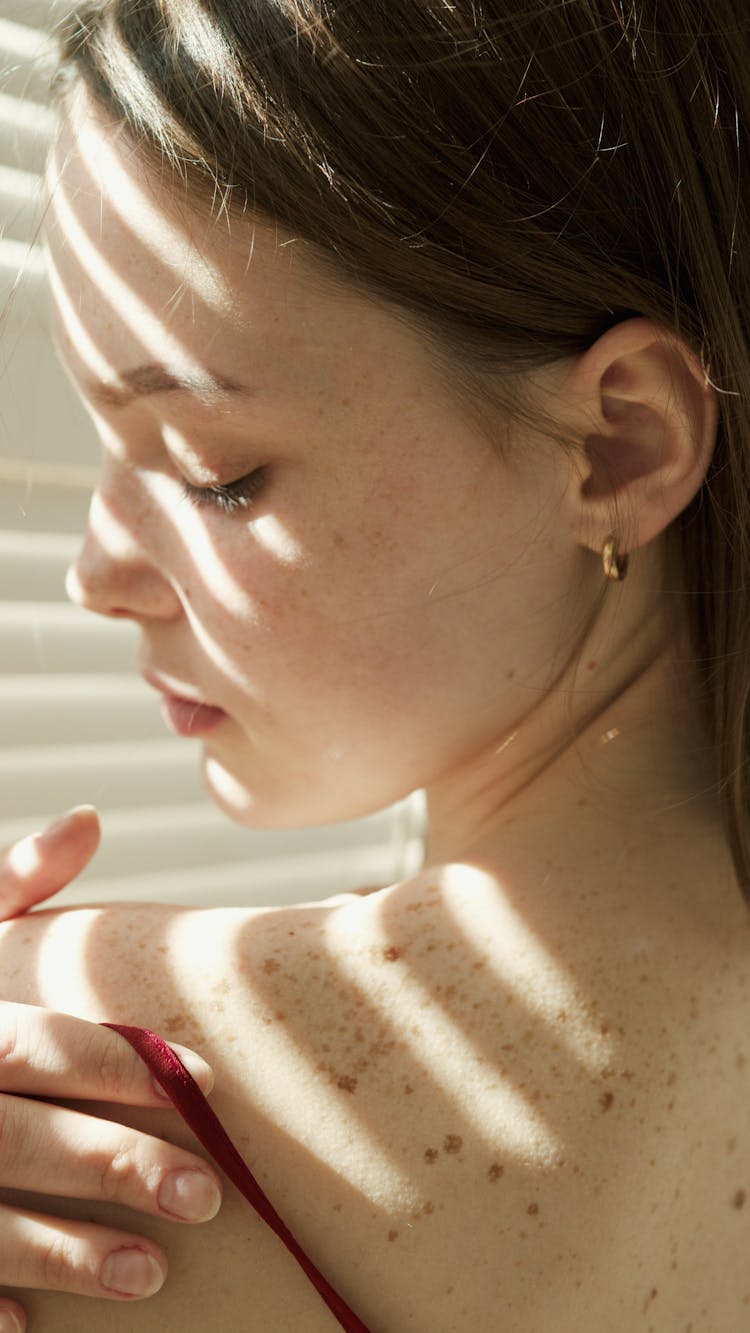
[616,738]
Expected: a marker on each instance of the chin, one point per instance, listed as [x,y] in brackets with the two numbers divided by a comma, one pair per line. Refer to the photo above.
[277,809]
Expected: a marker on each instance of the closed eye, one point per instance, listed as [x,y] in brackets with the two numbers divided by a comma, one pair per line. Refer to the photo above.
[235,495]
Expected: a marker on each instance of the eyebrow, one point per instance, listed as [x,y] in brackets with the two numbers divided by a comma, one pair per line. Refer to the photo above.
[144,381]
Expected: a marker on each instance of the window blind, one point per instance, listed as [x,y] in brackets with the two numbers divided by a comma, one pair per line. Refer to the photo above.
[77,722]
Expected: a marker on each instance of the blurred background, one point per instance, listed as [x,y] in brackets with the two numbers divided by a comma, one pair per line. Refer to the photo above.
[77,723]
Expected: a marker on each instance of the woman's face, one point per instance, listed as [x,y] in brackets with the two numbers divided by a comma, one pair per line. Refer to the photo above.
[389,602]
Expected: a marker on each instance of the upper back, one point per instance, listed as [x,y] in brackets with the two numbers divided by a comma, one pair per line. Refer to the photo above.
[465,1119]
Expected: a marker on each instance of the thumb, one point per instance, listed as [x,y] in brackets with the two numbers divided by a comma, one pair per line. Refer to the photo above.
[43,863]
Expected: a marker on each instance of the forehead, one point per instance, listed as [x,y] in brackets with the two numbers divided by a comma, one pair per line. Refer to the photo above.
[141,274]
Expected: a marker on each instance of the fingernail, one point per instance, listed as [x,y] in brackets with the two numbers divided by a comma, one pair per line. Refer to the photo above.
[131,1273]
[9,1323]
[52,830]
[189,1195]
[197,1066]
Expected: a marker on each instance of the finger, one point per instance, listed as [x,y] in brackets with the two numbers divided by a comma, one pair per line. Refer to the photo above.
[96,1159]
[48,1054]
[38,866]
[57,1254]
[10,1312]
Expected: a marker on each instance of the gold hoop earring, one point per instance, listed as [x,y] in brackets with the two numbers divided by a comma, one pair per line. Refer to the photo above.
[615,567]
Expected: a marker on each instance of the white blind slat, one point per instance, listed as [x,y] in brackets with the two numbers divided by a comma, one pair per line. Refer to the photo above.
[36,13]
[20,42]
[47,709]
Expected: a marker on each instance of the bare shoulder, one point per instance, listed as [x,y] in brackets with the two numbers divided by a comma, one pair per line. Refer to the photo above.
[462,1116]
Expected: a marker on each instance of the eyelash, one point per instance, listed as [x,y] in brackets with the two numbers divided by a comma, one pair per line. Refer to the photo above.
[228,499]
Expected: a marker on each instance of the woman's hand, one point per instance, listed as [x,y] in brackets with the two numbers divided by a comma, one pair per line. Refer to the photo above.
[39,866]
[49,1149]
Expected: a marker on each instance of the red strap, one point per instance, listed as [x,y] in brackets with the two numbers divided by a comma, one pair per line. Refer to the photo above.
[183,1091]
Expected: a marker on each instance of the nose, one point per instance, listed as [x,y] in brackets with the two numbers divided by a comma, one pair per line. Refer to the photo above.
[113,575]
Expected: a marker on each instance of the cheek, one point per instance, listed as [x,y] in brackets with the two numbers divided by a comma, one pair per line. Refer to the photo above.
[343,620]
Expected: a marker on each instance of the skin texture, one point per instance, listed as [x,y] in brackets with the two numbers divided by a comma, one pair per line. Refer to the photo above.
[553,1015]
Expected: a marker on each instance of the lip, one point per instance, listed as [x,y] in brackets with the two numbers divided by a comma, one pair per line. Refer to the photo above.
[183,714]
[170,687]
[189,719]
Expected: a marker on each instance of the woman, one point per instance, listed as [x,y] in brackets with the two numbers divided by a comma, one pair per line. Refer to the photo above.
[417,344]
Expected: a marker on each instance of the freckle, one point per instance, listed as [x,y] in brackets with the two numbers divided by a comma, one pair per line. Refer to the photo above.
[430,1155]
[741,1062]
[178,1020]
[291,932]
[739,1199]
[270,965]
[408,1090]
[392,1235]
[429,1207]
[731,1144]
[651,1296]
[337,1208]
[562,1016]
[591,666]
[532,1209]
[452,1143]
[604,1029]
[510,675]
[495,1172]
[346,1083]
[391,954]
[606,1100]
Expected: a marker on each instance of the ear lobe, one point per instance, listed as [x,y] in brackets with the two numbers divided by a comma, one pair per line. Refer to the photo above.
[649,432]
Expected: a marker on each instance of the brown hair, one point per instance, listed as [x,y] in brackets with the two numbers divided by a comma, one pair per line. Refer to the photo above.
[515,180]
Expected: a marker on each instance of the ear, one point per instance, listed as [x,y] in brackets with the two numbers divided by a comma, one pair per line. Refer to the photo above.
[647,417]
